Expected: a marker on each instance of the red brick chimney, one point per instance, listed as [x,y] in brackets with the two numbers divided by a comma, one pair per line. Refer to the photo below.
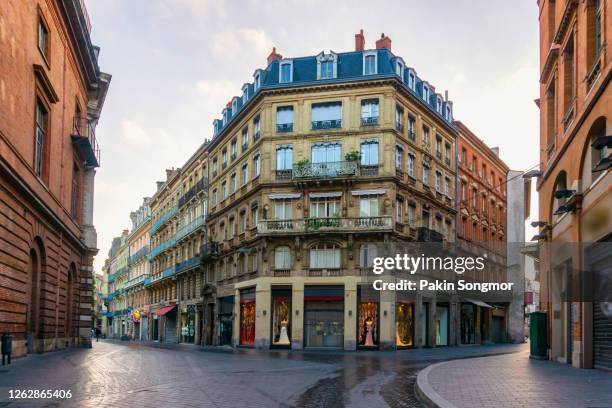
[383,42]
[359,41]
[274,56]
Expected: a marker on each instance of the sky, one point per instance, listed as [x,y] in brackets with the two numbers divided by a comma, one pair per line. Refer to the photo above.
[176,63]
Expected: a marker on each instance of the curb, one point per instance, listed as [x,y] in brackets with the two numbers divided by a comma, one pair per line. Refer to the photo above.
[425,393]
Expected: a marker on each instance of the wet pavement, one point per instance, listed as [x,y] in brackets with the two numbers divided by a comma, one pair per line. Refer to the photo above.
[118,374]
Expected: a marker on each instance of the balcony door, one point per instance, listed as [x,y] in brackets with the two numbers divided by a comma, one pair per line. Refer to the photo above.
[326,153]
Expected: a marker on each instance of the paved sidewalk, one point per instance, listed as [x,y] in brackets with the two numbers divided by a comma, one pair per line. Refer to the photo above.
[512,380]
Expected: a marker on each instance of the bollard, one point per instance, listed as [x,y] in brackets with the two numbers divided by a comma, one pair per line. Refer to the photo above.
[7,347]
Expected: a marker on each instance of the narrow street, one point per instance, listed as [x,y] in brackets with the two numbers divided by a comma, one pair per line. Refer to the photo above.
[113,374]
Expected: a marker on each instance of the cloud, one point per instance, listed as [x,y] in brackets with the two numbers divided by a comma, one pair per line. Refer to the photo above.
[134,133]
[245,44]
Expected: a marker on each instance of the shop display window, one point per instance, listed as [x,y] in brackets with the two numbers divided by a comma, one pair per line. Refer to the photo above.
[247,317]
[367,325]
[281,317]
[404,324]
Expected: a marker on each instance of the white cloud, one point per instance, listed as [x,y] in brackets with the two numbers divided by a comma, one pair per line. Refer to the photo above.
[134,133]
[244,44]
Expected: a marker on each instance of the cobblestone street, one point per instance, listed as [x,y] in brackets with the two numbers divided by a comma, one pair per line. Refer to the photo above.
[117,374]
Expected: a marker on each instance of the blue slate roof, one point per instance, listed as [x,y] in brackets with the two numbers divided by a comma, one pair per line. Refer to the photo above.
[349,68]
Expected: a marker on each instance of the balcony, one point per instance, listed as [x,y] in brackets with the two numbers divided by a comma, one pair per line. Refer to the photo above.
[326,170]
[369,121]
[328,225]
[190,228]
[327,124]
[84,140]
[284,174]
[164,246]
[425,234]
[188,264]
[163,219]
[284,127]
[135,282]
[166,273]
[201,185]
[138,255]
[209,250]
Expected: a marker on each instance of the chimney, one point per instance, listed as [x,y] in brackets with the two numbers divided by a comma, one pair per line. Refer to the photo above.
[159,185]
[274,56]
[495,150]
[359,41]
[446,95]
[383,42]
[125,232]
[169,173]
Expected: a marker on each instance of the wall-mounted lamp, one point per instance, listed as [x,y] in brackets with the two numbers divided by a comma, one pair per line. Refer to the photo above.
[565,193]
[565,208]
[602,141]
[538,237]
[539,224]
[264,312]
[603,164]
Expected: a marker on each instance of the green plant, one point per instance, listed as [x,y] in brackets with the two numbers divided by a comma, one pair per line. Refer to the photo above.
[302,163]
[354,155]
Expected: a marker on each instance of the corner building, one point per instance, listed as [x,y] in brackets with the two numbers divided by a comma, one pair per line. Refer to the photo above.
[318,160]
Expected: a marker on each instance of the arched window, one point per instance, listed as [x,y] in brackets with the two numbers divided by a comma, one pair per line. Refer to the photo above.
[560,184]
[325,256]
[597,153]
[282,258]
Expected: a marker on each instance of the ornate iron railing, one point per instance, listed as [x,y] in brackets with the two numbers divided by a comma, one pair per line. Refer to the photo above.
[357,224]
[326,170]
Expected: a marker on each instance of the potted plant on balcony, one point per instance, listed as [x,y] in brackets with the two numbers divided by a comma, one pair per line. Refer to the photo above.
[301,167]
[353,156]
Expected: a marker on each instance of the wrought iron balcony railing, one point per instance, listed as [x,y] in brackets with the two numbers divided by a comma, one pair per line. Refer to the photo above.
[84,140]
[190,228]
[425,234]
[163,219]
[284,127]
[201,185]
[326,170]
[188,264]
[134,282]
[326,124]
[209,250]
[314,225]
[138,255]
[164,246]
[369,121]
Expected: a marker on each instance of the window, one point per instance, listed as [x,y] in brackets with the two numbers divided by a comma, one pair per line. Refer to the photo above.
[369,63]
[257,81]
[369,153]
[282,209]
[426,93]
[326,115]
[368,206]
[234,106]
[326,153]
[325,207]
[399,118]
[399,69]
[438,180]
[447,182]
[223,190]
[284,157]
[411,80]
[449,112]
[286,72]
[439,105]
[367,253]
[411,165]
[242,225]
[224,158]
[474,198]
[399,209]
[234,147]
[245,94]
[411,213]
[245,139]
[569,75]
[233,183]
[282,258]
[40,138]
[223,232]
[232,226]
[256,167]
[257,128]
[425,135]
[411,132]
[463,157]
[214,197]
[326,66]
[325,256]
[244,173]
[254,216]
[284,119]
[43,38]
[438,147]
[74,201]
[369,112]
[425,175]
[215,167]
[399,157]
[447,154]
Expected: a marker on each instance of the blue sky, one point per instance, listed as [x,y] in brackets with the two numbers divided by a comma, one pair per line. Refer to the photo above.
[175,63]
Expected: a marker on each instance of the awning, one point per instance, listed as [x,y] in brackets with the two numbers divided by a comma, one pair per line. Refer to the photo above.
[479,303]
[326,194]
[285,196]
[164,310]
[368,192]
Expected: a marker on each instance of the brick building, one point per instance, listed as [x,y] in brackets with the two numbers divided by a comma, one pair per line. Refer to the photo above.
[575,206]
[51,97]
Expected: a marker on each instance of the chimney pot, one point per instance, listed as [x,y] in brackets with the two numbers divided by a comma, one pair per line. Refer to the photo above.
[274,56]
[359,41]
[383,42]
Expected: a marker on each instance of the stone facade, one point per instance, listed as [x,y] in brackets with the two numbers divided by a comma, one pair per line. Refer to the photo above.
[51,97]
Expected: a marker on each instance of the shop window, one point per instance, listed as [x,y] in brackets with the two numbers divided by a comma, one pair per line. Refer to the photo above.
[281,317]
[442,323]
[324,316]
[367,326]
[247,317]
[468,322]
[404,324]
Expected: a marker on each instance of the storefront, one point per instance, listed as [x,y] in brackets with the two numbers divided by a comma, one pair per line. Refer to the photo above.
[368,317]
[281,316]
[324,316]
[226,319]
[135,317]
[155,327]
[424,321]
[170,318]
[144,326]
[188,318]
[442,323]
[404,320]
[247,317]
[468,323]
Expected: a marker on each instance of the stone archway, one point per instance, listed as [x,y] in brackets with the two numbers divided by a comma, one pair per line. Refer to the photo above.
[35,324]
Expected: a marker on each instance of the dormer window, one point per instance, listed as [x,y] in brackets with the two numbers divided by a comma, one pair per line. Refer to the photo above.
[245,94]
[439,104]
[257,80]
[370,63]
[449,112]
[234,106]
[224,116]
[286,71]
[399,68]
[327,65]
[425,92]
[411,80]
